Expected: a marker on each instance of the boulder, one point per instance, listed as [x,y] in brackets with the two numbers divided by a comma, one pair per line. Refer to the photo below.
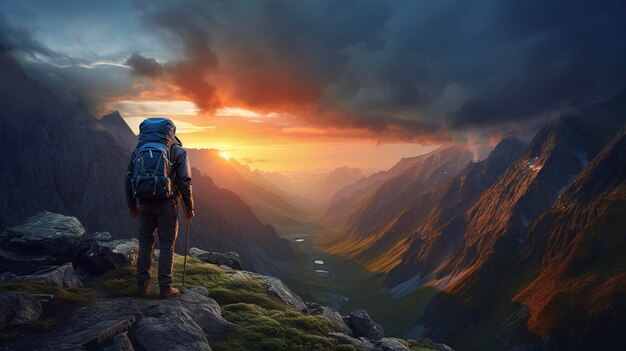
[164,328]
[274,287]
[230,259]
[23,263]
[361,344]
[17,308]
[206,313]
[391,344]
[362,325]
[62,276]
[333,316]
[46,233]
[102,256]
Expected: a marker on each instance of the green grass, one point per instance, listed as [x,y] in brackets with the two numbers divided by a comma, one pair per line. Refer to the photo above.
[265,329]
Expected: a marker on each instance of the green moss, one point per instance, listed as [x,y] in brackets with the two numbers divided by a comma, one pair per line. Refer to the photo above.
[71,295]
[119,282]
[259,328]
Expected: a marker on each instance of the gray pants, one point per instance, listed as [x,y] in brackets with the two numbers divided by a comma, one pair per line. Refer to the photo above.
[162,216]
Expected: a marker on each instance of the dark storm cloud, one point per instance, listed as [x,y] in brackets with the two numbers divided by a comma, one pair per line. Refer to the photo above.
[403,68]
[70,78]
[21,40]
[552,53]
[143,66]
[419,66]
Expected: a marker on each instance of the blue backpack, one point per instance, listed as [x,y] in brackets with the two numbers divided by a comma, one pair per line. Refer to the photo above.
[152,168]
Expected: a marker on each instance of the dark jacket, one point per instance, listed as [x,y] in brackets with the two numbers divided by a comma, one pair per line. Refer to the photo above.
[181,174]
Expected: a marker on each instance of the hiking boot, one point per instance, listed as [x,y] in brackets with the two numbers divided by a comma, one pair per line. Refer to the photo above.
[143,288]
[168,292]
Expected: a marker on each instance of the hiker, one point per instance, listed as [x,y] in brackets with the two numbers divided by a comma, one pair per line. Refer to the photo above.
[158,174]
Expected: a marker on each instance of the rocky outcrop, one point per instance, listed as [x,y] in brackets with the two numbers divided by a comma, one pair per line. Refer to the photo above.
[314,308]
[45,233]
[229,259]
[100,256]
[193,320]
[273,286]
[362,325]
[18,308]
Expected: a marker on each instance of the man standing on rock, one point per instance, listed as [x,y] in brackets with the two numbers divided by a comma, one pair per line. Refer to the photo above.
[158,174]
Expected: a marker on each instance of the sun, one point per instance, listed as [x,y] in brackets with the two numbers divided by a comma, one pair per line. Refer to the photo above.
[224,154]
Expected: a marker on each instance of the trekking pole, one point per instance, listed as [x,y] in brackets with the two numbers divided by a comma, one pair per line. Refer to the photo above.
[185,259]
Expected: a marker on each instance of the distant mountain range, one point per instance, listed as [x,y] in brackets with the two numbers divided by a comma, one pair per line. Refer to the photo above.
[59,158]
[268,202]
[524,246]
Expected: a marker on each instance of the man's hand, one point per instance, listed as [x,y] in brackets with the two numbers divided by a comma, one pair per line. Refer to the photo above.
[190,215]
[134,212]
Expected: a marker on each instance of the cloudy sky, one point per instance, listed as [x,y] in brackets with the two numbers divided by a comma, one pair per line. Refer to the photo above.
[288,85]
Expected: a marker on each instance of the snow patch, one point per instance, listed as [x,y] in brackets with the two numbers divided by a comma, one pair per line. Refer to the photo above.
[319,262]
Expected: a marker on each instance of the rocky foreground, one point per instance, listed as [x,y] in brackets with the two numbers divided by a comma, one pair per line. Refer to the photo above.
[64,289]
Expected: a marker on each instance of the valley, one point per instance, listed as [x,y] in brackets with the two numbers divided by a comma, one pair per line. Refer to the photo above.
[345,285]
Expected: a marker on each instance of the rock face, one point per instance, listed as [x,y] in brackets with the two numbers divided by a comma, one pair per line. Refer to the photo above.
[18,309]
[276,288]
[229,259]
[363,325]
[100,256]
[46,233]
[163,330]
